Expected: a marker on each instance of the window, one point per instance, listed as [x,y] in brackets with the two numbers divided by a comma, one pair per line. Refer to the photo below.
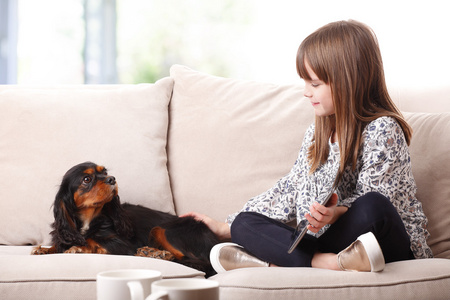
[8,41]
[50,42]
[204,34]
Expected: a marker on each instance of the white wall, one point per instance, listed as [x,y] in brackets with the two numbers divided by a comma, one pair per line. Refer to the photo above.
[414,36]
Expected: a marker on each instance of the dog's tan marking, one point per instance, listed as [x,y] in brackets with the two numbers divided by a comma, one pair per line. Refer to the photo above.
[160,236]
[67,216]
[100,194]
[89,171]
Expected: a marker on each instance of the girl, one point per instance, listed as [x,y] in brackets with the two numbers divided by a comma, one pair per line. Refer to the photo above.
[357,148]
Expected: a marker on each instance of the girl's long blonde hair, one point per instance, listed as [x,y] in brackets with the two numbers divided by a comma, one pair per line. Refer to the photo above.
[346,56]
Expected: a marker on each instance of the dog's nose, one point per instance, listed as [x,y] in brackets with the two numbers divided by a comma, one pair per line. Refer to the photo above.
[111,180]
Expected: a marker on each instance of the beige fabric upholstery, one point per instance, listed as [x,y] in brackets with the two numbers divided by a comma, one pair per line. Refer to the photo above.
[430,158]
[45,131]
[70,276]
[424,279]
[230,140]
[418,98]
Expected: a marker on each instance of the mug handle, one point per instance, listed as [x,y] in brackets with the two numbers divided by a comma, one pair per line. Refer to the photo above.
[136,290]
[158,295]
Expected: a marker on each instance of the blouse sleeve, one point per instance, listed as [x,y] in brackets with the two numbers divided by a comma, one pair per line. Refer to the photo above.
[279,202]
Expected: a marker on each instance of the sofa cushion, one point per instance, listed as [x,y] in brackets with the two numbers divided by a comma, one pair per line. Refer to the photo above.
[418,279]
[420,98]
[46,130]
[70,276]
[430,159]
[230,140]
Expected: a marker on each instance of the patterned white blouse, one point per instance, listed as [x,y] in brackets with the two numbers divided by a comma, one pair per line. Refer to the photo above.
[383,166]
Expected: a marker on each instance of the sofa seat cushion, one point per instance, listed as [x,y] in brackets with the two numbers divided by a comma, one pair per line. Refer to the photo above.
[44,131]
[69,276]
[419,279]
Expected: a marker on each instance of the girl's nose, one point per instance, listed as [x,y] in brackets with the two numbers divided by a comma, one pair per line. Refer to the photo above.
[307,93]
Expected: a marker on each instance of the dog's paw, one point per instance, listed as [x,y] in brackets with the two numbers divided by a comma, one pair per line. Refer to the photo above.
[154,253]
[39,250]
[75,249]
[101,250]
[92,247]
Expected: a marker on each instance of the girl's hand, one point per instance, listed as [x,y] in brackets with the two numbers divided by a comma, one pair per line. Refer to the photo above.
[221,229]
[320,215]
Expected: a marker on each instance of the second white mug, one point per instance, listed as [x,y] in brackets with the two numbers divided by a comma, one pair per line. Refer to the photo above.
[184,289]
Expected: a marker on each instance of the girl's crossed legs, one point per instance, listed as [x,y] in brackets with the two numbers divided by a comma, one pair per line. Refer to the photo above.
[269,240]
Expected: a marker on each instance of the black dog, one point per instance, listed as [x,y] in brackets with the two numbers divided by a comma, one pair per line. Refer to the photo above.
[89,218]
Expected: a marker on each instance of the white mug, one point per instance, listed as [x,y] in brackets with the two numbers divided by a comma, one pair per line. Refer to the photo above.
[125,284]
[184,289]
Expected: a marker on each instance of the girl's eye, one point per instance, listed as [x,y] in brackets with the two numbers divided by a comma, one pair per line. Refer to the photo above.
[87,179]
[314,84]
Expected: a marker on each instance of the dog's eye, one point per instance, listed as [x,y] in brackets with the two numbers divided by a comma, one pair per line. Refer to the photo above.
[87,179]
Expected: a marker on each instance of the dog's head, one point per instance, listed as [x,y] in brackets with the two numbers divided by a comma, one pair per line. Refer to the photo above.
[86,191]
[89,186]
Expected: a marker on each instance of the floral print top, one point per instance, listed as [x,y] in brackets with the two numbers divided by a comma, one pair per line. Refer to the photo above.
[383,166]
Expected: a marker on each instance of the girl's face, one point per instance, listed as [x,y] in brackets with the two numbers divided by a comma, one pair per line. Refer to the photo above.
[319,93]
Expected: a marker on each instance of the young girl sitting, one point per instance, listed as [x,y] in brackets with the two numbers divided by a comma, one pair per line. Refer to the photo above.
[357,149]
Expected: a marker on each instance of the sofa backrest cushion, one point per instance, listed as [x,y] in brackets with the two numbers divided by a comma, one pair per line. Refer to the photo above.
[418,98]
[430,157]
[46,130]
[230,140]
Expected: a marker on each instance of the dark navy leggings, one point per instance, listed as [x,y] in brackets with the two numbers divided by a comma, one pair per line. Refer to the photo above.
[269,239]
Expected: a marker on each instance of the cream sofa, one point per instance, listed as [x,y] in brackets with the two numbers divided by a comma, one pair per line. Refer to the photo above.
[194,142]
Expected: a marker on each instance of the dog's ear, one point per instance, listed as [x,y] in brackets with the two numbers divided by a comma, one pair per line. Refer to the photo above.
[65,227]
[121,220]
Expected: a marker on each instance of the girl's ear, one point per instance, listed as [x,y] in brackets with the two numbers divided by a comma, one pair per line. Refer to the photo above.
[65,232]
[118,215]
